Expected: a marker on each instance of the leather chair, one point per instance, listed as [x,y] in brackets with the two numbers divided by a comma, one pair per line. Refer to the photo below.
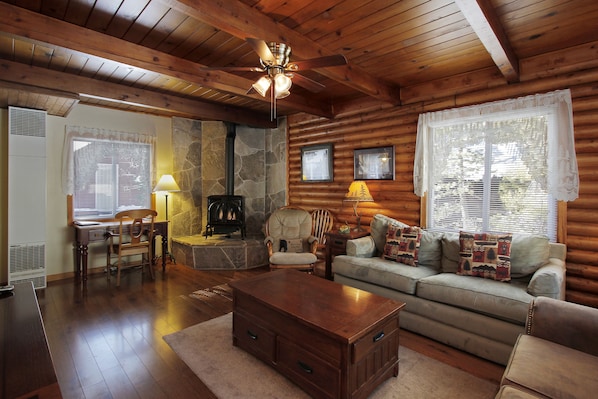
[134,238]
[289,239]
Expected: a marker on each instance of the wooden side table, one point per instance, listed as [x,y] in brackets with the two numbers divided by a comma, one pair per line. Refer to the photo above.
[336,244]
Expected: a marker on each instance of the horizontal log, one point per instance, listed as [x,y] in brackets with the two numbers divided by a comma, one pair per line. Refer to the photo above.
[581,256]
[583,298]
[582,285]
[585,271]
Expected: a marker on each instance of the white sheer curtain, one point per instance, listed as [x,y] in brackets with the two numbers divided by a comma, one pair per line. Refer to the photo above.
[78,132]
[563,178]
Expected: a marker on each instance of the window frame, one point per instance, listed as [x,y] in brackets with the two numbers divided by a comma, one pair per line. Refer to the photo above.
[560,137]
[86,133]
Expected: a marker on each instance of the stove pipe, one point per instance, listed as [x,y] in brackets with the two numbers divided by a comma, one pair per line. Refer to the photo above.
[229,149]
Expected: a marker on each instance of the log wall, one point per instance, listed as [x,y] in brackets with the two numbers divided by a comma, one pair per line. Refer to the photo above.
[376,126]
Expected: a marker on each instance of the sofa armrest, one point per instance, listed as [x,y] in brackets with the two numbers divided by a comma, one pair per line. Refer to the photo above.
[565,323]
[364,247]
[549,280]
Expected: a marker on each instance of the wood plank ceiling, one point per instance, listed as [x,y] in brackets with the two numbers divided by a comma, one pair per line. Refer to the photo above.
[147,55]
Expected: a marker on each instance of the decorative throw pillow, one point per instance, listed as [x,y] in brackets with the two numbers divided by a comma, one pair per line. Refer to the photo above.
[292,245]
[402,244]
[485,255]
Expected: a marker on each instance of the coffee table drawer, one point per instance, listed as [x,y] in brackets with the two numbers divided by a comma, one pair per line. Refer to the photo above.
[253,338]
[313,374]
[377,336]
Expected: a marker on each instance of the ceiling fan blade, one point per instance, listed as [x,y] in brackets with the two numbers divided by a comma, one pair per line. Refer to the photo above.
[321,62]
[233,69]
[262,49]
[307,83]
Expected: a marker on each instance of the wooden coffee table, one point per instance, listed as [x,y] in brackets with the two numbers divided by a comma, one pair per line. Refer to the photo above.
[332,340]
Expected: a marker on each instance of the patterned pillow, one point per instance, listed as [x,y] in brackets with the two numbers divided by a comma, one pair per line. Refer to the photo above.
[291,245]
[485,255]
[402,244]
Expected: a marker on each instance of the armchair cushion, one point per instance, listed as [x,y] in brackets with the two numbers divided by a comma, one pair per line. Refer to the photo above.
[552,370]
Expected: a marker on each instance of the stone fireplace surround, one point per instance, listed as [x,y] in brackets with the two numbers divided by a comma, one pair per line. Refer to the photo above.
[199,167]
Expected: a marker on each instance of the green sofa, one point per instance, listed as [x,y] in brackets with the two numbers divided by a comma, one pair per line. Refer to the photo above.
[477,315]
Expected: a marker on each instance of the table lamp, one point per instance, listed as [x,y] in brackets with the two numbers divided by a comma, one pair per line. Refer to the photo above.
[166,185]
[358,192]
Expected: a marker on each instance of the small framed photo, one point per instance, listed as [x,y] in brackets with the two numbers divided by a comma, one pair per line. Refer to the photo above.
[316,163]
[374,163]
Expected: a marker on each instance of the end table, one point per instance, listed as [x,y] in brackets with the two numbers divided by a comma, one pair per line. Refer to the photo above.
[336,244]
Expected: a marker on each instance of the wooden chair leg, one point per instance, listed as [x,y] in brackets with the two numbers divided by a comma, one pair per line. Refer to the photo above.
[118,271]
[150,266]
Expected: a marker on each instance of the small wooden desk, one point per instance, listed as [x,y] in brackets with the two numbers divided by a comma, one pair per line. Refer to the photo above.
[336,244]
[26,368]
[97,233]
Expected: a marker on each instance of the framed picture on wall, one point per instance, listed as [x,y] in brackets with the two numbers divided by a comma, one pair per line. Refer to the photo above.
[316,163]
[374,163]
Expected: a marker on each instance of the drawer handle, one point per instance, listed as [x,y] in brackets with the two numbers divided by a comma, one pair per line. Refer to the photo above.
[305,367]
[338,242]
[378,336]
[252,335]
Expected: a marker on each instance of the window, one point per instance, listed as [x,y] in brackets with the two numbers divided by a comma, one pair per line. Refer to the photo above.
[107,172]
[499,167]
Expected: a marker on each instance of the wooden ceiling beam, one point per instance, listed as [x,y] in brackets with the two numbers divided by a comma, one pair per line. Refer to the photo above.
[49,81]
[485,23]
[43,29]
[243,21]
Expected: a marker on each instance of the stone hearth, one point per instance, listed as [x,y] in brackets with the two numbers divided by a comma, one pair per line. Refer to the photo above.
[220,252]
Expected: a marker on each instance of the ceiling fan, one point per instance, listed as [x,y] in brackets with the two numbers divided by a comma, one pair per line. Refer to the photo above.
[280,71]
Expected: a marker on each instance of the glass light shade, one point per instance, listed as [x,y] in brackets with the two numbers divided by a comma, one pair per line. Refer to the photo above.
[283,83]
[282,95]
[262,85]
[167,184]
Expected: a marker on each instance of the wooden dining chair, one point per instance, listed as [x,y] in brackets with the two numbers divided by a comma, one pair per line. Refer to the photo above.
[135,237]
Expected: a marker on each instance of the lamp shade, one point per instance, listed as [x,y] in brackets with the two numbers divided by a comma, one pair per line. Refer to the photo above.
[167,184]
[359,192]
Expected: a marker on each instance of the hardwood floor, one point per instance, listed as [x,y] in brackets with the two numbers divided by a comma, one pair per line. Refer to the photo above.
[106,342]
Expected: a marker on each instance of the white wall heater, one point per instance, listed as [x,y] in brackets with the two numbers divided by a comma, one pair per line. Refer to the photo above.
[27,196]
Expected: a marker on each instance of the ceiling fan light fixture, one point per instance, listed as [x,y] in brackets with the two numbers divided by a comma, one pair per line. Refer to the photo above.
[282,83]
[283,94]
[262,85]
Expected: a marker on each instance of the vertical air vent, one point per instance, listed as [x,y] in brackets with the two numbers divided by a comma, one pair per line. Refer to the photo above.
[27,122]
[27,196]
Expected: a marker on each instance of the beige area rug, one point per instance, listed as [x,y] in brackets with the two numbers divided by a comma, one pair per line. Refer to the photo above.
[230,372]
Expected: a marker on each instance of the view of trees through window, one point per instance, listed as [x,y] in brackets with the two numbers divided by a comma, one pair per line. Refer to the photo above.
[110,176]
[491,176]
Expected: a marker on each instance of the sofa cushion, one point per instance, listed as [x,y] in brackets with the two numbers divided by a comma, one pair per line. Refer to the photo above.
[552,370]
[378,228]
[485,255]
[511,392]
[430,249]
[385,273]
[450,252]
[402,244]
[528,253]
[508,302]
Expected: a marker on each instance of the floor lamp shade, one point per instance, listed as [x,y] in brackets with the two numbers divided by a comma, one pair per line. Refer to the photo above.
[166,185]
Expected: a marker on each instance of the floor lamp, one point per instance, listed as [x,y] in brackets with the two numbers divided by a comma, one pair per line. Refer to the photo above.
[166,185]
